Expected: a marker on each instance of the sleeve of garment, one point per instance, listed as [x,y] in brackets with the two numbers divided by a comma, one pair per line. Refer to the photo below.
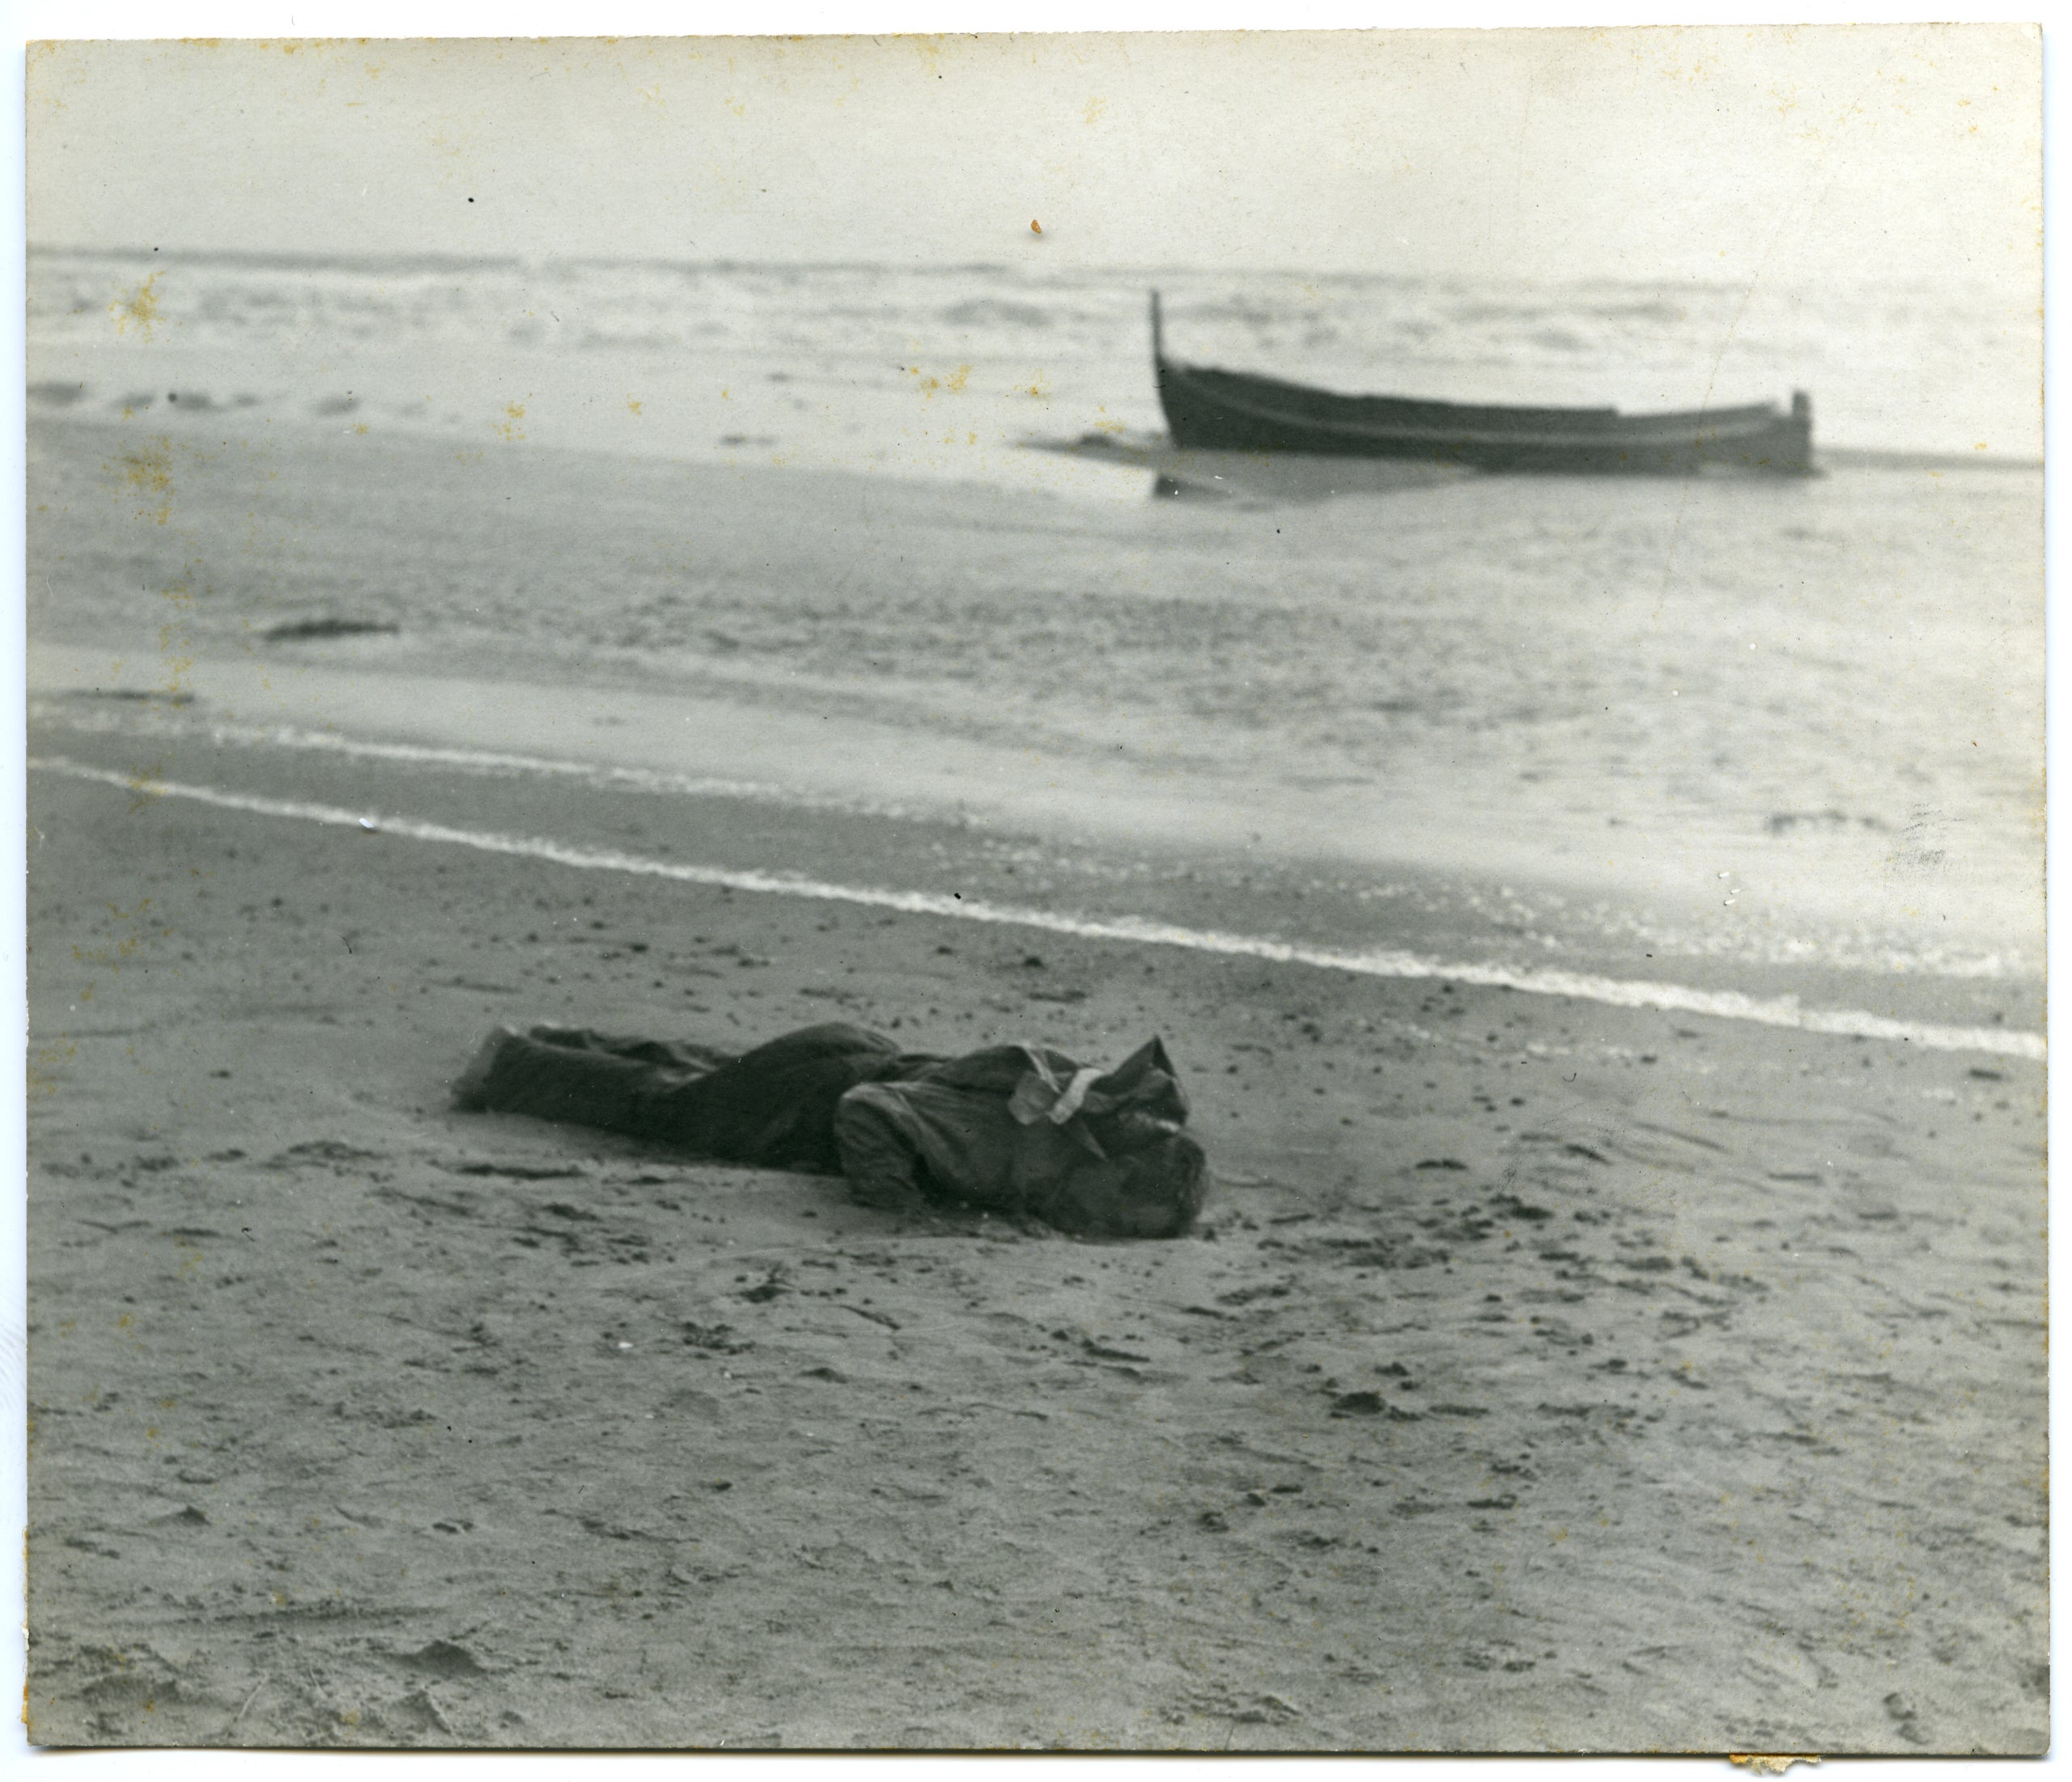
[904,1143]
[879,1154]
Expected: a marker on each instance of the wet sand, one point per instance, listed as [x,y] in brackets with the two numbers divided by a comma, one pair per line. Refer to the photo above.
[1661,717]
[1545,1375]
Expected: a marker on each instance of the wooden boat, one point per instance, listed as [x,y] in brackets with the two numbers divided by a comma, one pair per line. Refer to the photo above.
[1212,410]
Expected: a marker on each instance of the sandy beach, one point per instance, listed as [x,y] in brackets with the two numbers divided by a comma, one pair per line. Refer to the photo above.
[1545,1375]
[696,538]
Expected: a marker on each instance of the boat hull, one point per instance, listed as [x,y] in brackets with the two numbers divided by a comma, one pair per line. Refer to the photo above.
[1211,410]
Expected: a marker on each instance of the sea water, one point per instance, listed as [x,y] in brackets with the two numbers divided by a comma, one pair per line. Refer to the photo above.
[931,370]
[1822,696]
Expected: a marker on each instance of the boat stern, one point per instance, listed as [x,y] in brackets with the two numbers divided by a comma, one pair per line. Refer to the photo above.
[1794,456]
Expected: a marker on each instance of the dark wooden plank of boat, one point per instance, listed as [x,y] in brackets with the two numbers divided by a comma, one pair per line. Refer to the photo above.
[1211,409]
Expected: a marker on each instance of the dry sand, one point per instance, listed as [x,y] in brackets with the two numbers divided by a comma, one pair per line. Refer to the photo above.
[1544,1376]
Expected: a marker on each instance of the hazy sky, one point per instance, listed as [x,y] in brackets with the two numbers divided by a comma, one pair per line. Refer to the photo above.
[1798,156]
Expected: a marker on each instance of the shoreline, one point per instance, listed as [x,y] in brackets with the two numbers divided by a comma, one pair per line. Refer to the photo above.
[1516,1325]
[1783,1013]
[362,718]
[683,552]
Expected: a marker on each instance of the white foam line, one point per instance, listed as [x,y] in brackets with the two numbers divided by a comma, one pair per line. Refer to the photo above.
[1621,993]
[494,762]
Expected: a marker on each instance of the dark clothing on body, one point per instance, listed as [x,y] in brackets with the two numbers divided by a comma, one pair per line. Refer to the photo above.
[1013,1129]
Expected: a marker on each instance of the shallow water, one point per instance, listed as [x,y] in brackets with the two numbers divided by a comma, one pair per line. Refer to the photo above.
[1816,703]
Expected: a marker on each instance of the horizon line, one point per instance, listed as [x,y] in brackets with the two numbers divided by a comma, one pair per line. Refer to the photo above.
[432,259]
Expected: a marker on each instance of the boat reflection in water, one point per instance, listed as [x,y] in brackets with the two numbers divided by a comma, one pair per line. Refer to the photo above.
[1211,411]
[1273,477]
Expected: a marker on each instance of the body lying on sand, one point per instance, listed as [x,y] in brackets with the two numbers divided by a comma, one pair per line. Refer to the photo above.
[1016,1129]
[1554,1375]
